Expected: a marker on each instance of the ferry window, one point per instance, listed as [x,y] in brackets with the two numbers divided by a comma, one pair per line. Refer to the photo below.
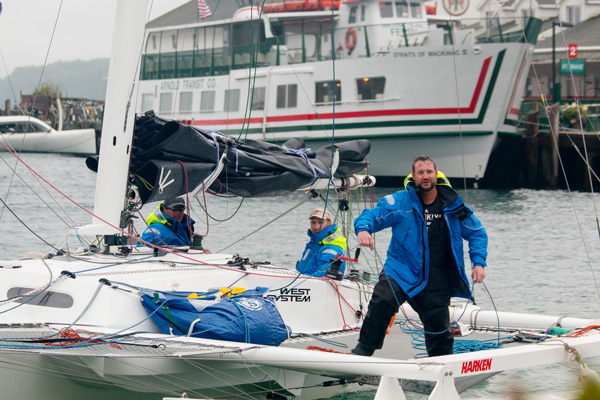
[287,96]
[168,41]
[247,34]
[370,88]
[258,99]
[232,100]
[166,103]
[363,10]
[352,16]
[402,9]
[385,9]
[147,102]
[185,102]
[152,44]
[47,298]
[185,62]
[415,10]
[325,91]
[207,101]
[150,66]
[167,66]
[574,14]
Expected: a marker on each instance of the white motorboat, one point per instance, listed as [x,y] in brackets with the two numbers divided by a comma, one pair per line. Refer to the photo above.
[22,133]
[74,324]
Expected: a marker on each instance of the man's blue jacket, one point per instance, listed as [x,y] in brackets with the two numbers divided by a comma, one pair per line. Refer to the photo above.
[408,253]
[321,248]
[166,231]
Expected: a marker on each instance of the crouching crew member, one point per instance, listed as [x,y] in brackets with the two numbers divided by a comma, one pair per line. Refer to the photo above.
[326,241]
[168,225]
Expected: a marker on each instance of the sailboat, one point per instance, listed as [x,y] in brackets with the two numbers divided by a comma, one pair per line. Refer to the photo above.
[83,323]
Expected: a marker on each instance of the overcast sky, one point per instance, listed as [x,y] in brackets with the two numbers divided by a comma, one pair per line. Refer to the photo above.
[83,30]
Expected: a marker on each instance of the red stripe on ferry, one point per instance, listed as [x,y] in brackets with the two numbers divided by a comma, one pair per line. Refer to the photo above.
[410,111]
[361,114]
[233,121]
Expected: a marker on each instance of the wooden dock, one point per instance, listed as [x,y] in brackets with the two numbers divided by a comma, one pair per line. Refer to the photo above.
[546,159]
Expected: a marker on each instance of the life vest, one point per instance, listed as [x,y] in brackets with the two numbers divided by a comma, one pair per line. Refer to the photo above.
[157,217]
[335,239]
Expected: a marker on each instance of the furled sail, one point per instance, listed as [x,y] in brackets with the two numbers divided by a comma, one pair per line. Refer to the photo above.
[171,159]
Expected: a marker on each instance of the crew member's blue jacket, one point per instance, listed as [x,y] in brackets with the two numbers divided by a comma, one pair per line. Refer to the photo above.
[166,231]
[408,253]
[322,247]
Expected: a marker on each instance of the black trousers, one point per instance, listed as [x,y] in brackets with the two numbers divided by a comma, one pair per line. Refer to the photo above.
[431,304]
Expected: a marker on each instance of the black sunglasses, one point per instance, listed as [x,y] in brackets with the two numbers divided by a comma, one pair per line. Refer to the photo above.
[177,208]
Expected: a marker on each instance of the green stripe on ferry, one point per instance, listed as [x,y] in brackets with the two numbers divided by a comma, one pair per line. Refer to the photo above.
[390,124]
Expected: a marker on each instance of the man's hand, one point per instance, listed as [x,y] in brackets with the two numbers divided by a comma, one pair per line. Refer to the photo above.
[478,274]
[365,239]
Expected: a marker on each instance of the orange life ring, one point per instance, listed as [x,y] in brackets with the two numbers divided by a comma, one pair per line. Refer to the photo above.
[350,38]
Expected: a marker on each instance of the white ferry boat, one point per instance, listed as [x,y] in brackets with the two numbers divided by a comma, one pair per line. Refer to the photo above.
[380,70]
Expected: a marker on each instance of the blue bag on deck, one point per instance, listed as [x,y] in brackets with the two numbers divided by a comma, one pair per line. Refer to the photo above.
[247,317]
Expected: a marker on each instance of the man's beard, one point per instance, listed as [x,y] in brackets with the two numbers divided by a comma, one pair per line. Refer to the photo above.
[420,187]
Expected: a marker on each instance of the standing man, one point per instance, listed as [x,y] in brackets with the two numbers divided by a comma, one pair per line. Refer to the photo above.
[326,241]
[425,261]
[168,225]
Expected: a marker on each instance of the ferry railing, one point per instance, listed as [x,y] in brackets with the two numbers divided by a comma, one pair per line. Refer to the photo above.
[316,44]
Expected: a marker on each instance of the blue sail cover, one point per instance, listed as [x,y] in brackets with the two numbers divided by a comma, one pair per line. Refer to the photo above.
[247,317]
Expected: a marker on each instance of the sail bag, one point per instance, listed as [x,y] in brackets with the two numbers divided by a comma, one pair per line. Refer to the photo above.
[248,317]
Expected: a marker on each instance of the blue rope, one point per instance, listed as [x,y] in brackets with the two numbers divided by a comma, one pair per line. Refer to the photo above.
[460,345]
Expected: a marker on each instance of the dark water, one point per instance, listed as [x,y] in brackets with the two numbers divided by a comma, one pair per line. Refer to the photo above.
[544,253]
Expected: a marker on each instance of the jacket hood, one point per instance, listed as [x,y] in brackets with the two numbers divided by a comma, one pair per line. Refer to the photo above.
[441,180]
[323,234]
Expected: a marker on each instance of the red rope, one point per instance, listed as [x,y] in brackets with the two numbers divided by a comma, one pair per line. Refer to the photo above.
[324,350]
[70,333]
[580,332]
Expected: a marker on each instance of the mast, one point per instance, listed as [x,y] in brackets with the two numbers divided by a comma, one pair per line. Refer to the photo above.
[117,127]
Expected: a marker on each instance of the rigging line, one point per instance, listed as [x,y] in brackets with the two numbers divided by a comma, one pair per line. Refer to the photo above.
[221,220]
[251,77]
[571,197]
[26,226]
[299,81]
[310,196]
[216,373]
[38,195]
[39,85]
[12,90]
[76,371]
[165,384]
[585,161]
[562,166]
[589,169]
[34,98]
[460,126]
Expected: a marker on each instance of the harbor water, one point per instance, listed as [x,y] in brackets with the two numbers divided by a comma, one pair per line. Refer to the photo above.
[544,246]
